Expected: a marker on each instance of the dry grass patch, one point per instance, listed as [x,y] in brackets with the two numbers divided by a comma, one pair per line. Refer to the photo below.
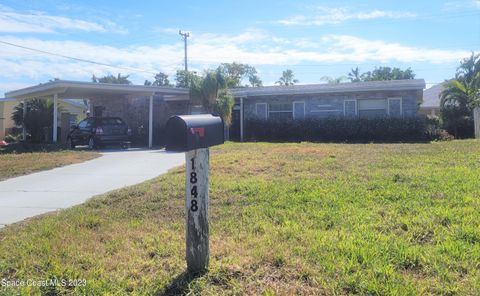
[17,164]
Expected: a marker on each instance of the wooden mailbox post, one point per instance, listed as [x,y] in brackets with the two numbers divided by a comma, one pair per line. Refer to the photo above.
[193,134]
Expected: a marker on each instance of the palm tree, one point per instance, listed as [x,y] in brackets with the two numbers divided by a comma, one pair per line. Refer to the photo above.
[211,91]
[354,75]
[38,117]
[461,95]
[287,78]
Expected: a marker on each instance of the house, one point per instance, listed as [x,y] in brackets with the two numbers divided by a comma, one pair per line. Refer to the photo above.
[392,98]
[144,108]
[431,101]
[6,122]
[75,108]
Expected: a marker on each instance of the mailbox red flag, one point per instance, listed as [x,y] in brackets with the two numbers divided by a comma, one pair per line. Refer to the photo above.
[200,131]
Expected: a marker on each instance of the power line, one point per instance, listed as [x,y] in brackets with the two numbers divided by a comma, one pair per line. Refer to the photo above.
[78,59]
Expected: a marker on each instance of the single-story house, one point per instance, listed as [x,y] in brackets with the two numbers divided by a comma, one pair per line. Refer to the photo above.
[6,110]
[147,108]
[431,101]
[392,98]
[144,108]
[75,108]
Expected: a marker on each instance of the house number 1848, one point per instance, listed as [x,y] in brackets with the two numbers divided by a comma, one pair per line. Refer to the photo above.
[193,191]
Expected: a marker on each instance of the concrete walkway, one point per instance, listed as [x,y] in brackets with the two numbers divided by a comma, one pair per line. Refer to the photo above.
[60,188]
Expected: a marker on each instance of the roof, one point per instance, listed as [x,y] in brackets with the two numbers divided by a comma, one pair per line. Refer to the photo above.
[82,90]
[7,100]
[431,96]
[410,84]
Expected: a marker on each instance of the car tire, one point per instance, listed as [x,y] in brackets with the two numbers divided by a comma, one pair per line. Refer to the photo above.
[91,144]
[70,144]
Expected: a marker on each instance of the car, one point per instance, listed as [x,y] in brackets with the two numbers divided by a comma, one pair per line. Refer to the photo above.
[97,132]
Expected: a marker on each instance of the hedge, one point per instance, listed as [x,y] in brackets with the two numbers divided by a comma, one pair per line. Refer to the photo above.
[344,130]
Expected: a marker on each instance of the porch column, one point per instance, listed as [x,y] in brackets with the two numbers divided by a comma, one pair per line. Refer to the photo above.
[24,129]
[55,117]
[150,123]
[241,119]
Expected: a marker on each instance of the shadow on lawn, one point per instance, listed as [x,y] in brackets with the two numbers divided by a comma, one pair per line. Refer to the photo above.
[180,284]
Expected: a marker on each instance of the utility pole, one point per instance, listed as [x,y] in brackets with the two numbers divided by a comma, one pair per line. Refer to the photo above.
[185,36]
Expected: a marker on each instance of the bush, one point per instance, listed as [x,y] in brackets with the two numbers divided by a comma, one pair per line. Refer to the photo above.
[10,138]
[458,121]
[344,130]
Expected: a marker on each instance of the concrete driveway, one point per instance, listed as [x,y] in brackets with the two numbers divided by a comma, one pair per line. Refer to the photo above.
[60,188]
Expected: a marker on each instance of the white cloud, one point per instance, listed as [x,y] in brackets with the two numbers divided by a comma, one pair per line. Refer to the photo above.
[461,4]
[325,16]
[205,51]
[39,22]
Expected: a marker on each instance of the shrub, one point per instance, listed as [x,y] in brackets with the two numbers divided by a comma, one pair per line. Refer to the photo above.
[344,130]
[10,138]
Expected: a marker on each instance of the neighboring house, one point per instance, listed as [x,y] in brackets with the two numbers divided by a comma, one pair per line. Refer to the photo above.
[76,108]
[6,122]
[392,98]
[431,101]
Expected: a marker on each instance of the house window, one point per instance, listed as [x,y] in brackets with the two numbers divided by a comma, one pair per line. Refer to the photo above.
[372,108]
[280,111]
[395,107]
[261,110]
[299,110]
[350,108]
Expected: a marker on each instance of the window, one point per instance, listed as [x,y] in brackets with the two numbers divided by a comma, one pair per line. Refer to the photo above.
[372,108]
[280,111]
[261,110]
[395,107]
[299,110]
[350,108]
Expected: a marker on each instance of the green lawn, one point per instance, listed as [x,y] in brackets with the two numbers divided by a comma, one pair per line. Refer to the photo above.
[16,164]
[307,219]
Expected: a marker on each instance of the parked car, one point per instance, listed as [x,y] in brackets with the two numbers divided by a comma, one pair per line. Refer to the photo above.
[97,132]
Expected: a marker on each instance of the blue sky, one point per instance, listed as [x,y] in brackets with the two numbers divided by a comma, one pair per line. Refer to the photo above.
[313,38]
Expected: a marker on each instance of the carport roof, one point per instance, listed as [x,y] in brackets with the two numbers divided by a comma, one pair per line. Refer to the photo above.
[84,90]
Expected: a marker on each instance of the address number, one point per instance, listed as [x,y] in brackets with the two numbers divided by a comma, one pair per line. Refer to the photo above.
[194,191]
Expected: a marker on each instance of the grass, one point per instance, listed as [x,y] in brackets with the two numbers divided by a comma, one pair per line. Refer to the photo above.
[307,219]
[17,164]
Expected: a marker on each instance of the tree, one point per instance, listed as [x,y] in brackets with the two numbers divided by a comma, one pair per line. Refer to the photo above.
[38,118]
[234,73]
[224,106]
[255,81]
[331,80]
[387,73]
[211,91]
[205,90]
[354,75]
[161,79]
[460,96]
[287,78]
[112,79]
[185,78]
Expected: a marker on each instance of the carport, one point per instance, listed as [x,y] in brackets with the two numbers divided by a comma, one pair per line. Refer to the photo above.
[63,89]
